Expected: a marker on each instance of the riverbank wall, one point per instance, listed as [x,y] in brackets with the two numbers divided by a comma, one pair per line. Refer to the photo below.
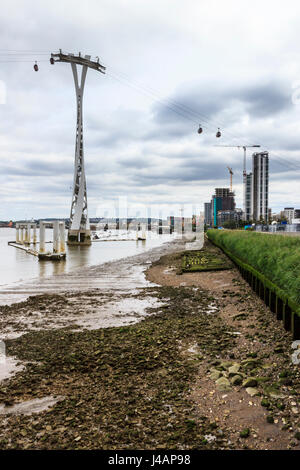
[279,300]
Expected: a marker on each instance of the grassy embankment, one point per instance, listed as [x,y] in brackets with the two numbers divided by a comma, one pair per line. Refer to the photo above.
[275,261]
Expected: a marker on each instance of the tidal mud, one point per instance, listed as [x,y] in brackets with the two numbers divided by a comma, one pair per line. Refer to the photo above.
[208,367]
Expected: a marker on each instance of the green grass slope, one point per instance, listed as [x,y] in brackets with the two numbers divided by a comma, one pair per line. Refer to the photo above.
[275,256]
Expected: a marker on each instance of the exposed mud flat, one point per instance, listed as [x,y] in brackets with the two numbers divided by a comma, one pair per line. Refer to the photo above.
[265,415]
[9,366]
[206,366]
[29,407]
[115,301]
[85,311]
[118,313]
[93,297]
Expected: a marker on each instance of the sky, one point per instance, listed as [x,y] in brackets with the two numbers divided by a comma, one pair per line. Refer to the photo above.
[171,65]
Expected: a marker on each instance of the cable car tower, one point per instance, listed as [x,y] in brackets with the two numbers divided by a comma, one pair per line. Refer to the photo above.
[79,228]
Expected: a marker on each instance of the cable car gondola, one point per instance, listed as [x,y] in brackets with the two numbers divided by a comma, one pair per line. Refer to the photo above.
[200,130]
[36,67]
[218,134]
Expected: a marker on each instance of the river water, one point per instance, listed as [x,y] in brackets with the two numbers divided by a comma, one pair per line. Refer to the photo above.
[18,268]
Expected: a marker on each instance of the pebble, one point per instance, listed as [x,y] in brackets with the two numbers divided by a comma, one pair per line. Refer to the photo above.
[223,384]
[236,380]
[215,374]
[233,370]
[252,391]
[250,382]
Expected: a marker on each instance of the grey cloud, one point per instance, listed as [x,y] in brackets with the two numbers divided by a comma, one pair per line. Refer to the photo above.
[266,100]
[206,101]
[136,142]
[37,168]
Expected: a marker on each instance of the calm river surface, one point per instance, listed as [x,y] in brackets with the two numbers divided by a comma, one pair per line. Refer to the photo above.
[17,266]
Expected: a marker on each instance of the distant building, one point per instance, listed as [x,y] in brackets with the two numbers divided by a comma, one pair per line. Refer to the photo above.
[222,200]
[230,215]
[207,213]
[297,213]
[269,215]
[289,214]
[256,188]
[216,204]
[277,216]
[260,186]
[222,192]
[248,196]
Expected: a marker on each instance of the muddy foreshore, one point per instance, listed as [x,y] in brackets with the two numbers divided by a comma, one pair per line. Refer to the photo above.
[210,368]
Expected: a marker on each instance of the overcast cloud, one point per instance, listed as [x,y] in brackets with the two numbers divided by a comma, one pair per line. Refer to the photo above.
[170,66]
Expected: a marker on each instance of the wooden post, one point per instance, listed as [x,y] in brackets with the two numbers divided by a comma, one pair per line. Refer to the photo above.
[287,317]
[279,308]
[252,281]
[261,290]
[295,325]
[272,301]
[256,285]
[267,296]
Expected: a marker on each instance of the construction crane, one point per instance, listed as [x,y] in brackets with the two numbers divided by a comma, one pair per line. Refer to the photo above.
[244,147]
[231,173]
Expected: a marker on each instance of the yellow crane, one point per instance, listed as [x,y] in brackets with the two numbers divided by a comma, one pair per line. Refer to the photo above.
[231,173]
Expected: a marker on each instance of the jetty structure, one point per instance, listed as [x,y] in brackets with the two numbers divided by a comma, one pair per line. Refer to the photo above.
[23,233]
[24,241]
[79,230]
[59,247]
